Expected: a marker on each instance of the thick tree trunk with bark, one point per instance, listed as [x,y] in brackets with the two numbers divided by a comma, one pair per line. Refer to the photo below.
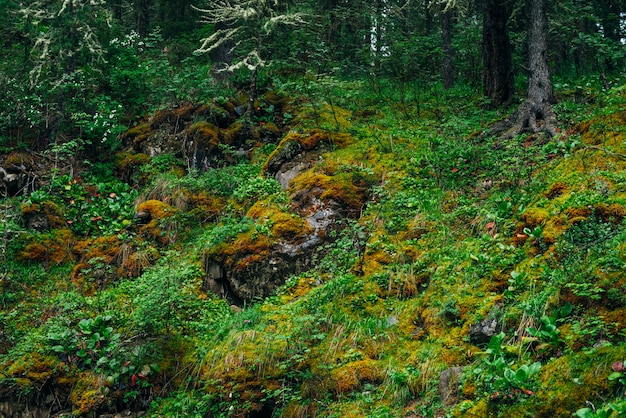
[446,43]
[498,84]
[142,12]
[536,113]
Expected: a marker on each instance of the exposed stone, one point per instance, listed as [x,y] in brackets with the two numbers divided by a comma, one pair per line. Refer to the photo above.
[19,410]
[37,221]
[482,332]
[287,152]
[392,321]
[13,180]
[288,172]
[449,385]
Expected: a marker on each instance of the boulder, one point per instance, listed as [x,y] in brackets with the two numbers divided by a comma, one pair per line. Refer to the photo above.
[449,385]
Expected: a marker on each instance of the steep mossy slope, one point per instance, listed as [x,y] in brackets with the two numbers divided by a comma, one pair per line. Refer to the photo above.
[343,260]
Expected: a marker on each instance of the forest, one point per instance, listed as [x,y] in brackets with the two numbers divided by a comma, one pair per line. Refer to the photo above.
[298,208]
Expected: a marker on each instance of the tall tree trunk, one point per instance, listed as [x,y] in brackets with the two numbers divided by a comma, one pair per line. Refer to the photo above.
[142,11]
[536,112]
[116,7]
[498,84]
[446,43]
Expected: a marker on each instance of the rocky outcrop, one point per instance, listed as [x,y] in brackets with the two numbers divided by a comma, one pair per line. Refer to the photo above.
[14,180]
[204,135]
[253,267]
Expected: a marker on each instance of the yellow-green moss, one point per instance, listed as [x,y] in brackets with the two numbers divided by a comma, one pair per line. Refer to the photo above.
[205,132]
[50,248]
[138,133]
[338,188]
[350,376]
[127,161]
[87,395]
[231,133]
[34,367]
[284,225]
[18,159]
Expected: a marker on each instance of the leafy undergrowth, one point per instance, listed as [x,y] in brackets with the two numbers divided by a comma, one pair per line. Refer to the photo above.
[104,304]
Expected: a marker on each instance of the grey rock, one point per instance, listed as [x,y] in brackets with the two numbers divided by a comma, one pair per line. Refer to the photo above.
[449,385]
[482,332]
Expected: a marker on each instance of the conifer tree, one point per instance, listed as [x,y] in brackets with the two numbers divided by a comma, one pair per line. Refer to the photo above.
[246,25]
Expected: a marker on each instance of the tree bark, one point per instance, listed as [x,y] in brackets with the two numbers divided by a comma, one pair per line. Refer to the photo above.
[448,53]
[536,114]
[142,12]
[498,84]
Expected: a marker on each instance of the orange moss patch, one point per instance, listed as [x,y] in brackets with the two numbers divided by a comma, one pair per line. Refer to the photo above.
[613,212]
[157,209]
[205,206]
[350,376]
[155,228]
[98,257]
[101,247]
[133,262]
[556,190]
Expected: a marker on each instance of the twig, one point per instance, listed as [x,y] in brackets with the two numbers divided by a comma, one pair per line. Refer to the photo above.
[616,154]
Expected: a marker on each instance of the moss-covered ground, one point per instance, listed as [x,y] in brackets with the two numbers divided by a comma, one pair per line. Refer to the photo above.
[103,307]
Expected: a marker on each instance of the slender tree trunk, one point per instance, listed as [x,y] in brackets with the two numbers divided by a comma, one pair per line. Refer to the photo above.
[498,84]
[116,7]
[448,53]
[142,11]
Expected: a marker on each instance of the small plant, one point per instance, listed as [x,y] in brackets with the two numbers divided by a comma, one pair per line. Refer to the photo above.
[548,333]
[499,377]
[611,409]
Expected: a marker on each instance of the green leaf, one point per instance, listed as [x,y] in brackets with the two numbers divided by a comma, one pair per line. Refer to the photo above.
[495,342]
[566,309]
[522,374]
[534,368]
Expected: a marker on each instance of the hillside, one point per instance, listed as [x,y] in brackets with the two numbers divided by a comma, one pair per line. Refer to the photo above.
[333,255]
